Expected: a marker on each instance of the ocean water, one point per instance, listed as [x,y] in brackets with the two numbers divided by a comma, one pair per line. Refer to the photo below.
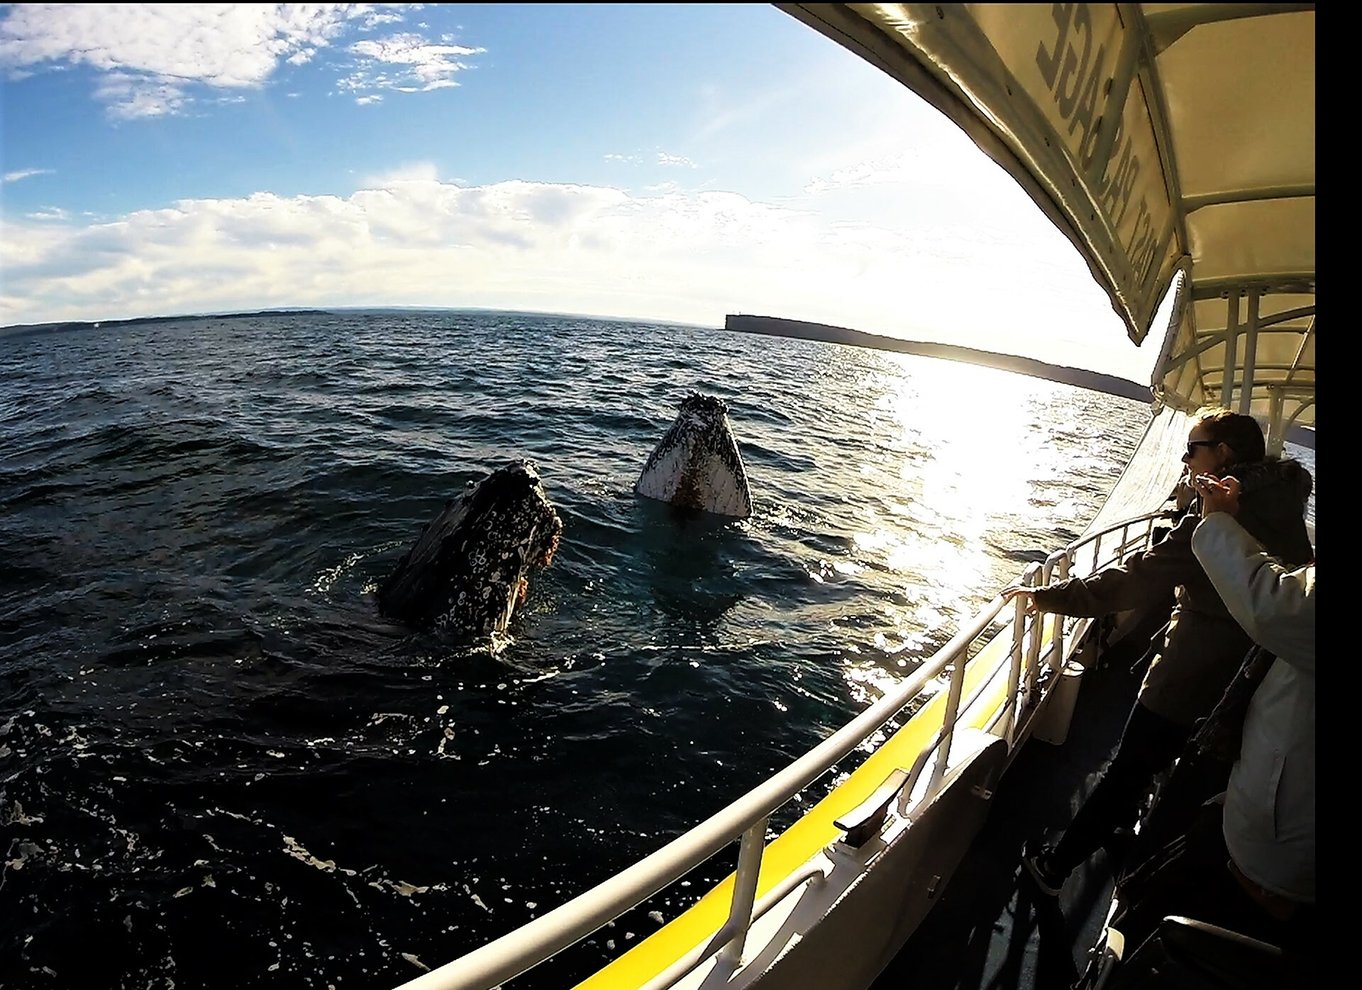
[219,767]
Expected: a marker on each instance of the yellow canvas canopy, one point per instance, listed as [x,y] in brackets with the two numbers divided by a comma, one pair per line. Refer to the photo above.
[1160,138]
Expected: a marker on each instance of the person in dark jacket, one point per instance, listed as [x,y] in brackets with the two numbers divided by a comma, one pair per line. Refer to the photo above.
[1203,646]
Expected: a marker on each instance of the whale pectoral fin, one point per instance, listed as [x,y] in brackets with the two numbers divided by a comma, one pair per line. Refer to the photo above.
[723,488]
[554,540]
[662,474]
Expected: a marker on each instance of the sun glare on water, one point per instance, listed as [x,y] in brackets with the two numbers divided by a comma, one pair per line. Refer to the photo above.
[977,465]
[959,454]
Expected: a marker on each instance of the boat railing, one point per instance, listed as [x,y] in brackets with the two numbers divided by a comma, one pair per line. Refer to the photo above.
[1088,555]
[746,819]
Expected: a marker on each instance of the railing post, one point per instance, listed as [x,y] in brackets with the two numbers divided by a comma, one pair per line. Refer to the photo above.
[1057,620]
[1033,644]
[744,891]
[1015,700]
[957,685]
[1028,688]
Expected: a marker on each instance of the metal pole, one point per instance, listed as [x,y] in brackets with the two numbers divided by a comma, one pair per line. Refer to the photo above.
[744,891]
[1014,699]
[1057,620]
[1250,353]
[1231,342]
[957,685]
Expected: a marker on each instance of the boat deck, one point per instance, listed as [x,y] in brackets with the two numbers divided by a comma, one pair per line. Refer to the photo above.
[992,927]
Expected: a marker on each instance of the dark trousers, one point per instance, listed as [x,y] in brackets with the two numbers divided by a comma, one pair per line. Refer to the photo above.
[1148,745]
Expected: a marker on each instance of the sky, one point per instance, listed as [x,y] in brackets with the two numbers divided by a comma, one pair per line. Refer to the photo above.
[672,163]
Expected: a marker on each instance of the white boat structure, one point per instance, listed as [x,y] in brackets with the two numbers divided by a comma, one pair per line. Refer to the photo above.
[1174,145]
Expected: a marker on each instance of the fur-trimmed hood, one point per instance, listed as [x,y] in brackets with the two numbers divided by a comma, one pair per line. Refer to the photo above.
[1272,505]
[1273,471]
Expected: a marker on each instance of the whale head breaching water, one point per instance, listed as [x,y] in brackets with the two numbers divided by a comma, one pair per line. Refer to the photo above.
[470,568]
[696,464]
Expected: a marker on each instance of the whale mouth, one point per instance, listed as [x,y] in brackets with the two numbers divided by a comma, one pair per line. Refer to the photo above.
[469,571]
[696,464]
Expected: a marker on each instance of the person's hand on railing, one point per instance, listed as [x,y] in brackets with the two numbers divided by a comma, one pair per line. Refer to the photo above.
[1218,494]
[1014,591]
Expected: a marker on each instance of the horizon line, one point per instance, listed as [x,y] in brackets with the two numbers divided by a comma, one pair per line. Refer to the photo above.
[300,310]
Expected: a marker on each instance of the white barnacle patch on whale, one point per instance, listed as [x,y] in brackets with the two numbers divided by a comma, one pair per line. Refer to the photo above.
[696,464]
[469,569]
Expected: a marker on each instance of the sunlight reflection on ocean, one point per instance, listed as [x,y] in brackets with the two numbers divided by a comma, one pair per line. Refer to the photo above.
[222,768]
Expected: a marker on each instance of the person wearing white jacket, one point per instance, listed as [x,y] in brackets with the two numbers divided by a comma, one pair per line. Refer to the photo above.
[1269,816]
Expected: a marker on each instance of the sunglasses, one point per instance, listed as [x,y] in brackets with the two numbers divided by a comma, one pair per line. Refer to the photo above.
[1192,445]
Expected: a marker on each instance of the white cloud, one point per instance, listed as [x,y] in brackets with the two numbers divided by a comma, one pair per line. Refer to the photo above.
[24,173]
[660,158]
[50,213]
[217,44]
[156,57]
[901,162]
[409,239]
[420,66]
[129,97]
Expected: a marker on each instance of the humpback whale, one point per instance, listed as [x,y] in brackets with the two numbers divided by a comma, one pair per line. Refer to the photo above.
[696,464]
[469,569]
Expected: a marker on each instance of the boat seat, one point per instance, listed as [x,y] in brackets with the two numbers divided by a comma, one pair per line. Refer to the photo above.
[1185,954]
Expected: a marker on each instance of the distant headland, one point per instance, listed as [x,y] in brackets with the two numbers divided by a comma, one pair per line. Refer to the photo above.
[71,325]
[17,329]
[779,327]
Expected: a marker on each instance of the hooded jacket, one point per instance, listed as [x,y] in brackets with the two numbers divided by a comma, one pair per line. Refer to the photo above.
[1203,646]
[1269,818]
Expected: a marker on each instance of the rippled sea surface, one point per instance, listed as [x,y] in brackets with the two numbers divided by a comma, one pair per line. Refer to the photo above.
[220,768]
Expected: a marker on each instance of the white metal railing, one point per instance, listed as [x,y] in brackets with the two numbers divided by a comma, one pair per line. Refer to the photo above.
[747,817]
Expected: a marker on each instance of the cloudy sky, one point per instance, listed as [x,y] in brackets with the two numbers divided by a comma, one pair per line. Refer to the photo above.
[673,163]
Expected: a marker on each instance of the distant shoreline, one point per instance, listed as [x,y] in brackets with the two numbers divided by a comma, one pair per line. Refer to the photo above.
[63,326]
[734,322]
[803,330]
[1096,381]
[775,326]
